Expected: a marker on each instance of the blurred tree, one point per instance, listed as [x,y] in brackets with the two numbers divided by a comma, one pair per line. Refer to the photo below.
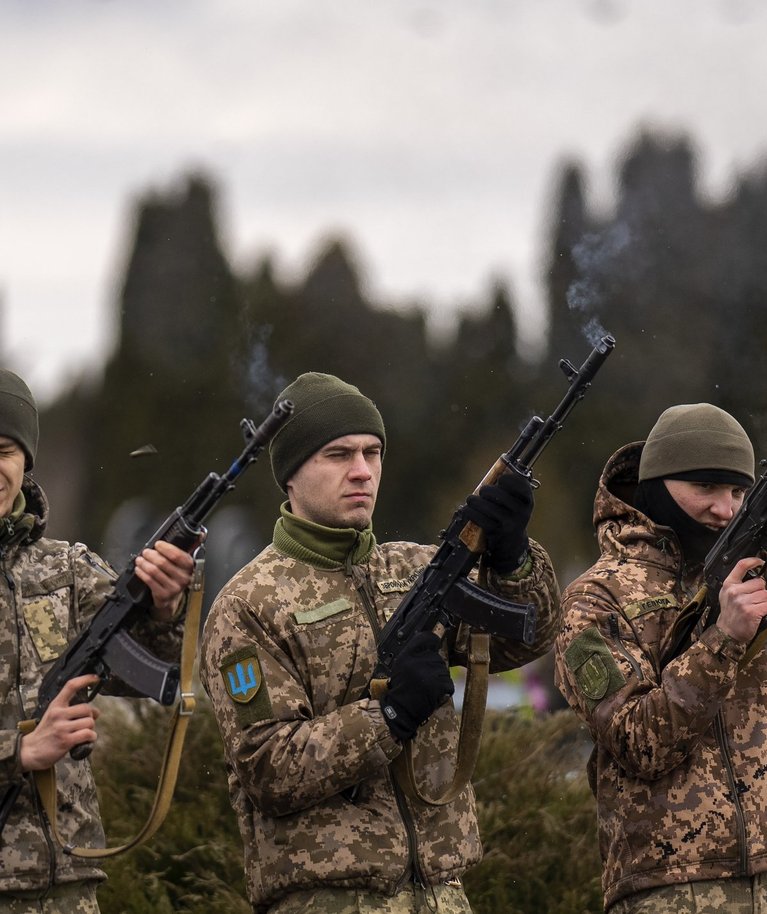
[658,274]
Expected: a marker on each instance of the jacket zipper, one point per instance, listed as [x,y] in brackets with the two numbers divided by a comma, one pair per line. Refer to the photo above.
[418,877]
[361,584]
[721,738]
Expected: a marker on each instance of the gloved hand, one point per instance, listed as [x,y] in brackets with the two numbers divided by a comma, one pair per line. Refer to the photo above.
[503,510]
[420,682]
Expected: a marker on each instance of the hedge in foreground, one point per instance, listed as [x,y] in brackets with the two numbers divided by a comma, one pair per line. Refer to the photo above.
[536,816]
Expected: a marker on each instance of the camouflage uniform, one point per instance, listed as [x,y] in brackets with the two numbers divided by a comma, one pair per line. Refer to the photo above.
[679,768]
[288,649]
[48,590]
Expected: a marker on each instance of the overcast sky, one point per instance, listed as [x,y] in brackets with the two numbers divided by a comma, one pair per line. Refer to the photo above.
[427,131]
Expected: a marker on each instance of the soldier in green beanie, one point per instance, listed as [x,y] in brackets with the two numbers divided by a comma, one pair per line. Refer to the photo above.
[288,650]
[48,591]
[680,746]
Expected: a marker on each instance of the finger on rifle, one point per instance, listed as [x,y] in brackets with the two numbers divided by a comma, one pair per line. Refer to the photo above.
[741,569]
[167,566]
[73,686]
[174,555]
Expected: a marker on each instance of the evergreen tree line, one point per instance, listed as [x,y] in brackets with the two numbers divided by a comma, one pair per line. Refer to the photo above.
[679,280]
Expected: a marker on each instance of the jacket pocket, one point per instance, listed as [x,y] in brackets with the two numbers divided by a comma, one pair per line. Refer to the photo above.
[47,618]
[333,645]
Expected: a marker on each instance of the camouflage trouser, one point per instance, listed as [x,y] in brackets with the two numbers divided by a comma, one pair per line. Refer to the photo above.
[442,899]
[715,896]
[75,898]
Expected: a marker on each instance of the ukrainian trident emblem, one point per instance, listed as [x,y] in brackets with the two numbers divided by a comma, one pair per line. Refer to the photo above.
[242,679]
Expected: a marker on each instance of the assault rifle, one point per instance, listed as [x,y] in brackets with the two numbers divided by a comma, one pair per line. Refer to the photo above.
[105,647]
[442,595]
[744,537]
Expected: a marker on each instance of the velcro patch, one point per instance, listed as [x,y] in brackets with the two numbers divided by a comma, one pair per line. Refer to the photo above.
[47,585]
[46,630]
[651,604]
[242,677]
[397,585]
[592,664]
[322,612]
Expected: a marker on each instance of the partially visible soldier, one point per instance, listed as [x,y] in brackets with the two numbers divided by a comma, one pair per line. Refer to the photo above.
[679,768]
[48,591]
[288,651]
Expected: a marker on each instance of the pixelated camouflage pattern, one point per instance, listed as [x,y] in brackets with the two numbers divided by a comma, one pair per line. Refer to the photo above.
[721,896]
[48,591]
[308,768]
[443,899]
[75,898]
[679,770]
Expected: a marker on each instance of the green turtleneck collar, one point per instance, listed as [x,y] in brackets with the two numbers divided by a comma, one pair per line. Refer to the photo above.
[323,547]
[17,525]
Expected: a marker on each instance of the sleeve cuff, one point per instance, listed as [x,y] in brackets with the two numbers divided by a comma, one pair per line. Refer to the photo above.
[722,645]
[519,573]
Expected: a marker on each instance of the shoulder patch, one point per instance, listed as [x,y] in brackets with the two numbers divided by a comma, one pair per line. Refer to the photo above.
[397,585]
[592,664]
[322,612]
[242,676]
[651,604]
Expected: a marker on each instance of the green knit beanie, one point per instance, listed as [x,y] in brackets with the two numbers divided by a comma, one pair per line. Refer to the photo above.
[325,408]
[18,414]
[697,437]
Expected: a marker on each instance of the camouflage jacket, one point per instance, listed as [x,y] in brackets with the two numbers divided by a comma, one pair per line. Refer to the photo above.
[679,768]
[48,590]
[307,755]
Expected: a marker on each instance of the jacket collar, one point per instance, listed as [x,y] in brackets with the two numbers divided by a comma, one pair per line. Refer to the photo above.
[323,547]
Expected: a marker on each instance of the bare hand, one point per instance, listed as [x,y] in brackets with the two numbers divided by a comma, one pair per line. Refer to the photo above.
[743,603]
[63,726]
[167,572]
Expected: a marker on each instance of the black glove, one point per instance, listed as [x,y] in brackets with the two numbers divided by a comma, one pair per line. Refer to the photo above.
[420,682]
[503,510]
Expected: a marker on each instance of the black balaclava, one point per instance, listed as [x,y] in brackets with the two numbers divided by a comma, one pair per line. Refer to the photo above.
[696,539]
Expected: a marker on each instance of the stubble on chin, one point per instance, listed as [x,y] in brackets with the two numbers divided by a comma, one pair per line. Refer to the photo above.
[357,518]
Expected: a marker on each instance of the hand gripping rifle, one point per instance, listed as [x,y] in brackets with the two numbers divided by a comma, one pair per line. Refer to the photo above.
[105,646]
[442,595]
[744,537]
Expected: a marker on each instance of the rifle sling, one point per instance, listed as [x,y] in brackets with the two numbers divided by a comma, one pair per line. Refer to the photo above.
[45,780]
[470,734]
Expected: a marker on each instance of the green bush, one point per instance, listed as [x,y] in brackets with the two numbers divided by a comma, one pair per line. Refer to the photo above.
[536,817]
[194,863]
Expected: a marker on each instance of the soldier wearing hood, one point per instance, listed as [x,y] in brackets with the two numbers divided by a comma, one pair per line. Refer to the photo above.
[680,748]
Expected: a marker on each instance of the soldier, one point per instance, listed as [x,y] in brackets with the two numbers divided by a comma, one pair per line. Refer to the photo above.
[287,654]
[48,591]
[680,755]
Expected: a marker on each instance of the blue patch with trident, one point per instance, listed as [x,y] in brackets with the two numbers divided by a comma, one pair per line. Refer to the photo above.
[242,678]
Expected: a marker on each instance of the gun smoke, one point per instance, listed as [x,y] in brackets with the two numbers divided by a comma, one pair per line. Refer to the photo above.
[260,381]
[596,257]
